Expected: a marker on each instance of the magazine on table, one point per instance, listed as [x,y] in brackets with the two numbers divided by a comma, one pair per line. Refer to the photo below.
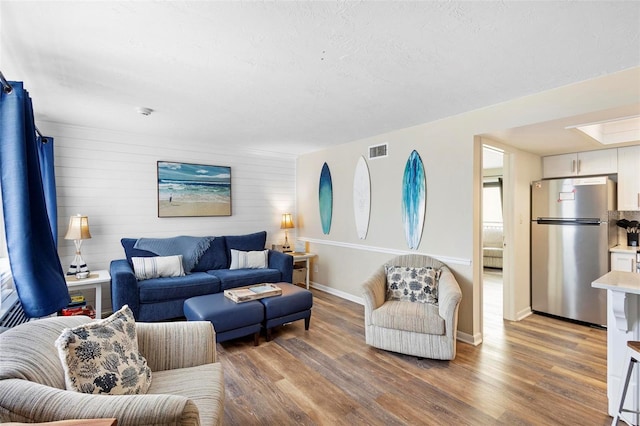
[254,292]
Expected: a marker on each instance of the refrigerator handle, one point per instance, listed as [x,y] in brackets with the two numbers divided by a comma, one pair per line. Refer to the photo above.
[573,166]
[557,221]
[578,171]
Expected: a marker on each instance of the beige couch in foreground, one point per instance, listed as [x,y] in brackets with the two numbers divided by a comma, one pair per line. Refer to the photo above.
[187,385]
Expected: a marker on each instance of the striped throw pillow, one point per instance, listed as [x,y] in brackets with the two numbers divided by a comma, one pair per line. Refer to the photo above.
[146,268]
[249,259]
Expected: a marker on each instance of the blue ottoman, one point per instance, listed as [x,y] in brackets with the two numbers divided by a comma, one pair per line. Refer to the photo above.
[230,319]
[293,304]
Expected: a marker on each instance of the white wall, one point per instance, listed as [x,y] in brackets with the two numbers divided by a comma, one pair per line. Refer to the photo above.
[111,178]
[451,152]
[525,168]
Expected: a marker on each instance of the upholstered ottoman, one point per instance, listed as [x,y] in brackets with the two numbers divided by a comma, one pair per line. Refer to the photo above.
[293,304]
[230,319]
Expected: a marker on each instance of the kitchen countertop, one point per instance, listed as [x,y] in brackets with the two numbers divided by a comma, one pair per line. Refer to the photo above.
[623,325]
[624,249]
[620,281]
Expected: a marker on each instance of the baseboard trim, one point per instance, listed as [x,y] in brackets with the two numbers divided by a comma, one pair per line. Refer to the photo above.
[524,313]
[340,294]
[474,340]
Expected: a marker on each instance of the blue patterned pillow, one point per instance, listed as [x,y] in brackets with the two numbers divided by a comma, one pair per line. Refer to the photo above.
[102,357]
[412,284]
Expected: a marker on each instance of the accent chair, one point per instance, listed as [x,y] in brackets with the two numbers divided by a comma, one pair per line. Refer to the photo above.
[426,330]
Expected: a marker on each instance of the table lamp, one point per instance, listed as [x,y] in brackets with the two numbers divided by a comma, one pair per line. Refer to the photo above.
[78,231]
[287,223]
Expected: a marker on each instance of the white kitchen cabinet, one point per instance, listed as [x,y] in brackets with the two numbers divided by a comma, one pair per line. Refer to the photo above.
[589,163]
[629,178]
[623,262]
[559,165]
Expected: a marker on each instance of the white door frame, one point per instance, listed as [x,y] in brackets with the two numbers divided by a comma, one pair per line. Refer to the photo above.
[508,304]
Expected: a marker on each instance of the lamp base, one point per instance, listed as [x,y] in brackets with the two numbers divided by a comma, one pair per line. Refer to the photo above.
[77,266]
[286,248]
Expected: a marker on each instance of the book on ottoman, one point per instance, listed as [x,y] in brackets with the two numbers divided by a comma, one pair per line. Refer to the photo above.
[252,292]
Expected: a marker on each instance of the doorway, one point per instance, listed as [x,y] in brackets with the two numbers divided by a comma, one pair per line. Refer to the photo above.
[492,240]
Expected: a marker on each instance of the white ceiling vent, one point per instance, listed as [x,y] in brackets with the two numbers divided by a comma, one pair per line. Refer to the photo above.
[378,151]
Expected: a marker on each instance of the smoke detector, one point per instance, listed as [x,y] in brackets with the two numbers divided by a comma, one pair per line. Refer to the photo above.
[144,111]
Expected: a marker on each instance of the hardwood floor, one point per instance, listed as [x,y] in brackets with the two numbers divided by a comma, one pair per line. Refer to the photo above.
[492,301]
[539,371]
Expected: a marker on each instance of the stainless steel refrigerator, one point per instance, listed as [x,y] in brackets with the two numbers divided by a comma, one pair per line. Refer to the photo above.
[570,239]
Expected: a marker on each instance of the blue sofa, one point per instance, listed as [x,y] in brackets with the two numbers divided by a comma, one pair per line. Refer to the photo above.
[163,298]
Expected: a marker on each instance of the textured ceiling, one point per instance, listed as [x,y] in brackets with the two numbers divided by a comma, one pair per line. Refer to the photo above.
[300,76]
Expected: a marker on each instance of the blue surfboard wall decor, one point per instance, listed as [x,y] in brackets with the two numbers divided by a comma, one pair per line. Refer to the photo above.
[414,199]
[325,198]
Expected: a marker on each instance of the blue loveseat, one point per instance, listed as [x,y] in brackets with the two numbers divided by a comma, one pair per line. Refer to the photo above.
[159,299]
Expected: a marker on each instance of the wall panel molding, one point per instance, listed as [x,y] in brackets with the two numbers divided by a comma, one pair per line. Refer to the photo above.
[445,259]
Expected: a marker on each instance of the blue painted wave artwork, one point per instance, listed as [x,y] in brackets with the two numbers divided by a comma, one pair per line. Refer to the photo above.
[325,199]
[414,196]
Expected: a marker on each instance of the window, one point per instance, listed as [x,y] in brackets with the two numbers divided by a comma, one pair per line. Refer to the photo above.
[6,283]
[492,202]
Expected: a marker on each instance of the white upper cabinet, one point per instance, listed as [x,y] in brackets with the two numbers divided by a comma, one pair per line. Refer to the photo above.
[559,165]
[589,163]
[629,178]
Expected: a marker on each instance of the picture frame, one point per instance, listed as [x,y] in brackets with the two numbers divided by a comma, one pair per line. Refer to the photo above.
[300,246]
[193,190]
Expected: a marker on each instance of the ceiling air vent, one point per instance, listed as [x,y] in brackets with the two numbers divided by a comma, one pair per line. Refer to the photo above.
[378,151]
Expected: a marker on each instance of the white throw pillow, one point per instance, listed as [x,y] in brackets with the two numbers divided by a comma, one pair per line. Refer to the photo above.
[249,259]
[146,268]
[102,357]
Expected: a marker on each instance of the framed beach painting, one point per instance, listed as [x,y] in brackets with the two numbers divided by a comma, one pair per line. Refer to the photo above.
[187,190]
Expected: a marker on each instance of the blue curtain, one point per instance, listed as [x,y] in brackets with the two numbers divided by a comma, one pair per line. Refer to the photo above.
[45,156]
[36,269]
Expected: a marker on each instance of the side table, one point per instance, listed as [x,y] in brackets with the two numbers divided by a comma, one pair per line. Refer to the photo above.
[93,281]
[303,257]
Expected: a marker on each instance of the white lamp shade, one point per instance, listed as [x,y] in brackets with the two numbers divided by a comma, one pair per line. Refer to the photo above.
[78,228]
[287,221]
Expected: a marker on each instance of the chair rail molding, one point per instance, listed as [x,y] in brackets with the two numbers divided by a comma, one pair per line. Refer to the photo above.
[396,252]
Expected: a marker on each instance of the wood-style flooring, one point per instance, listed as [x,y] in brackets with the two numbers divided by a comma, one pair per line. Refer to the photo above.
[538,371]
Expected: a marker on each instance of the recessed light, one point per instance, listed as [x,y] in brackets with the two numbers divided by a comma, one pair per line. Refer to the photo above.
[617,130]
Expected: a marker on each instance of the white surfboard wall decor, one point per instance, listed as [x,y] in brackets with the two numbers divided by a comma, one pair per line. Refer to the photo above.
[362,198]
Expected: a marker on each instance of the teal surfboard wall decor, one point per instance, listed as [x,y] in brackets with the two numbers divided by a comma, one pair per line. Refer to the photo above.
[414,199]
[325,198]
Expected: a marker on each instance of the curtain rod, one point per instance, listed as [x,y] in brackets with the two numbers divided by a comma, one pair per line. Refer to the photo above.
[5,84]
[6,87]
